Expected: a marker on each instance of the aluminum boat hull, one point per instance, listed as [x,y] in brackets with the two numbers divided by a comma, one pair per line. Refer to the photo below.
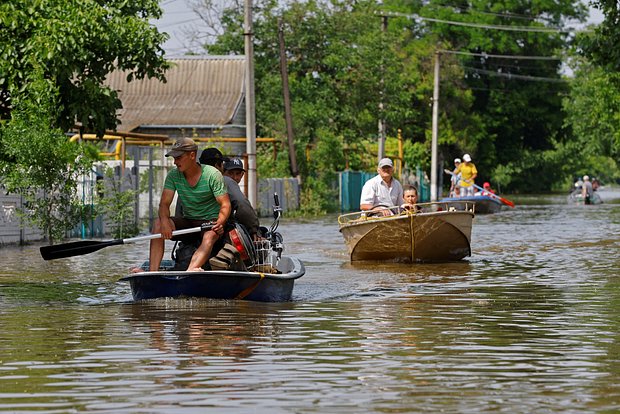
[443,234]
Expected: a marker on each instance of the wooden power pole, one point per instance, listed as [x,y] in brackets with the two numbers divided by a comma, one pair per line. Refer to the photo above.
[292,156]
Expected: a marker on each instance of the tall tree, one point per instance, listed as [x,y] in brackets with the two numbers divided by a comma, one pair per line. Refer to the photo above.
[602,47]
[54,57]
[593,114]
[44,166]
[78,43]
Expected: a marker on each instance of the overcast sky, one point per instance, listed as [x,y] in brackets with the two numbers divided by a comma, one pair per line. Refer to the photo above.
[178,18]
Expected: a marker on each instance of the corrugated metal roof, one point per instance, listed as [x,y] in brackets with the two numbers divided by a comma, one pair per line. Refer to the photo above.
[199,91]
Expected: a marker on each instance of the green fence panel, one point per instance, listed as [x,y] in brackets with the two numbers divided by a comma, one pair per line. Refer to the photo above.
[351,183]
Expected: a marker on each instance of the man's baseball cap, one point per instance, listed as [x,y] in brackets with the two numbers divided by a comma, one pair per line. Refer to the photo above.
[181,146]
[233,164]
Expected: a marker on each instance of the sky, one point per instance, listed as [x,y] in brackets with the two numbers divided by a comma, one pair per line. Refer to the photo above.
[178,17]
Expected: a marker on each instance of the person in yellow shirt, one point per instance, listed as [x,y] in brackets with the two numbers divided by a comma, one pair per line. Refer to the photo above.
[468,172]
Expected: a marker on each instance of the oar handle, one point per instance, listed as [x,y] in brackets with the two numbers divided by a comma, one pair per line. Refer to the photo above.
[204,227]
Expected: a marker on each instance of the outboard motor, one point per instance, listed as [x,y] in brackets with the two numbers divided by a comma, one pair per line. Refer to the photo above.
[275,238]
[269,249]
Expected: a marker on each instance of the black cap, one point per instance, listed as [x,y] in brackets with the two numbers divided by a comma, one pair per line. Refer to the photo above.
[211,156]
[233,164]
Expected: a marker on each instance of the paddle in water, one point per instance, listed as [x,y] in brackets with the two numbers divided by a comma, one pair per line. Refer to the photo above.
[78,248]
[503,200]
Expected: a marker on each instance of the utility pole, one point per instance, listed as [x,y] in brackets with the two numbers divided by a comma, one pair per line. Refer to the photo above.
[250,116]
[434,130]
[292,156]
[382,128]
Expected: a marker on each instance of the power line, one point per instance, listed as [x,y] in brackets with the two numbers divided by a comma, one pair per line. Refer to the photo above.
[482,26]
[487,55]
[472,11]
[165,26]
[512,76]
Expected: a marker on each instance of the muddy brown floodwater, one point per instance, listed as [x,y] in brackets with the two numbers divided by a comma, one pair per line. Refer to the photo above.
[529,323]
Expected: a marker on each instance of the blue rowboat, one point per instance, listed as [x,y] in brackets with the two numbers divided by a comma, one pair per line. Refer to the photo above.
[275,285]
[483,204]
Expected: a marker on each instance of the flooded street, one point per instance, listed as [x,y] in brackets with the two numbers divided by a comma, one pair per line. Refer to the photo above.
[529,323]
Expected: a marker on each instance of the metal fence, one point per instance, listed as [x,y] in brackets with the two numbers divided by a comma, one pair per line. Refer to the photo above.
[12,227]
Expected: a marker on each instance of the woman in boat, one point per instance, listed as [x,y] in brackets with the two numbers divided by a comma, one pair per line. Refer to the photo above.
[486,190]
[410,195]
[454,180]
[468,172]
[382,191]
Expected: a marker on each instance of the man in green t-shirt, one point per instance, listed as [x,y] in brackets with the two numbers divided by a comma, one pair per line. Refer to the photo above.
[202,192]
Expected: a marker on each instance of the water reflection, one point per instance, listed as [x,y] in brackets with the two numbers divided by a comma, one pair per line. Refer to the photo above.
[202,326]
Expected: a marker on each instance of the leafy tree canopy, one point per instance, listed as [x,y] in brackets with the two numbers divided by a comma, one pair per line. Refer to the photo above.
[41,164]
[78,43]
[602,47]
[343,63]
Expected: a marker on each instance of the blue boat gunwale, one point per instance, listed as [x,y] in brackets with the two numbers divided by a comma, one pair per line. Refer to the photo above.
[472,199]
[296,272]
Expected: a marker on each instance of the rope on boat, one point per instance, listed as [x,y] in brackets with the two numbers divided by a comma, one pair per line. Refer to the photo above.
[411,232]
[250,288]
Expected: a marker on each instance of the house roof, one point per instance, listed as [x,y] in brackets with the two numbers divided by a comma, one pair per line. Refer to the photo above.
[199,91]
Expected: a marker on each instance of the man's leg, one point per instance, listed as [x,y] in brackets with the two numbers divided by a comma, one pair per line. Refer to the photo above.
[203,252]
[157,247]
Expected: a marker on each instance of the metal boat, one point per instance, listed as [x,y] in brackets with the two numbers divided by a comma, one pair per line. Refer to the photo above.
[438,232]
[274,285]
[484,204]
[252,270]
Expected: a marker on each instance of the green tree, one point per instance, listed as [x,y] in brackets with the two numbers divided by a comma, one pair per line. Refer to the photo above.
[593,114]
[602,47]
[43,165]
[78,43]
[116,204]
[517,103]
[341,66]
[507,113]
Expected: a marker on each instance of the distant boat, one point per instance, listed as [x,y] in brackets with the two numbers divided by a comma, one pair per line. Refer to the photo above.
[484,204]
[440,232]
[576,198]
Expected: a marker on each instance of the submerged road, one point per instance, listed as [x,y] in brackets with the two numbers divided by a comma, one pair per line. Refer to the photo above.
[529,323]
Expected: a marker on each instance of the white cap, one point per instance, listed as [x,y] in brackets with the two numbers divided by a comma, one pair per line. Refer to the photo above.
[457,160]
[466,158]
[386,162]
[586,178]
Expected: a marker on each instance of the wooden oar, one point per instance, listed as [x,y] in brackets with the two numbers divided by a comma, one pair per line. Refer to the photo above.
[490,194]
[78,248]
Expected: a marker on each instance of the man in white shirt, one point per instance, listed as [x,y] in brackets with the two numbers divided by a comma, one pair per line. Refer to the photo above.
[382,190]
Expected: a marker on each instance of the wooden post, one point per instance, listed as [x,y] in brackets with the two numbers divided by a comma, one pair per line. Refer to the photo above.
[292,156]
[381,146]
[434,131]
[400,153]
[250,116]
